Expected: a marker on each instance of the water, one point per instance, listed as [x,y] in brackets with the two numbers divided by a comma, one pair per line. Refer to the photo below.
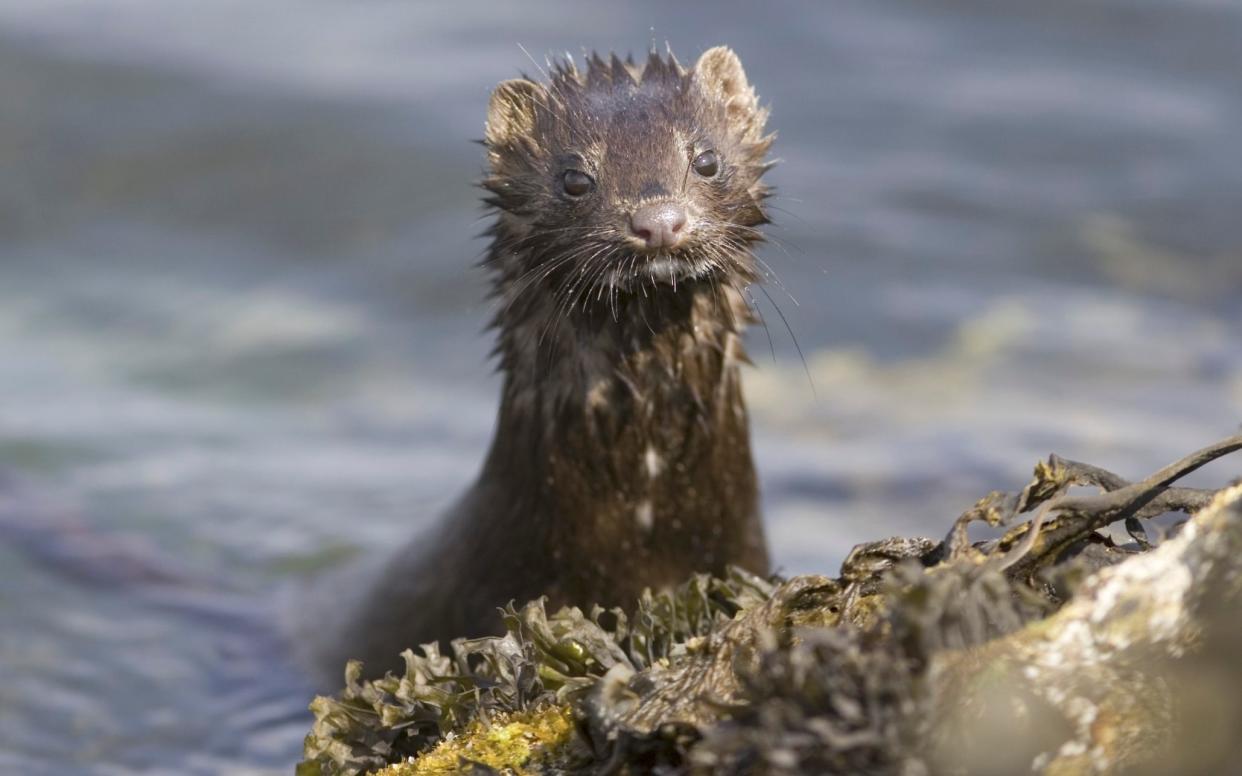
[241,333]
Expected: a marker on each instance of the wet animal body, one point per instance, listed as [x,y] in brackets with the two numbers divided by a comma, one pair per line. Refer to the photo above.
[627,201]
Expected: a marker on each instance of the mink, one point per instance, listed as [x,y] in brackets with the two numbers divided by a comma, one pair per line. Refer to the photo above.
[627,199]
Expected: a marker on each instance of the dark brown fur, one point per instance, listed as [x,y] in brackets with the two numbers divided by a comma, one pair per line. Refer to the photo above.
[621,457]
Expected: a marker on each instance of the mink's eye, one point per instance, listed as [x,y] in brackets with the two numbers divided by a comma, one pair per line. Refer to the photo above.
[576,183]
[706,164]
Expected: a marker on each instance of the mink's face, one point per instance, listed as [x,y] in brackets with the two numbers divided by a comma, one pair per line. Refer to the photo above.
[630,178]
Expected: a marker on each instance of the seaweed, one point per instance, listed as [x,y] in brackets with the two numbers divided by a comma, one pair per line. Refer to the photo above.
[912,660]
[542,661]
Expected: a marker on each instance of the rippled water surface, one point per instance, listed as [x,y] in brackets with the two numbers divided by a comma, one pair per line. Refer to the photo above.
[241,331]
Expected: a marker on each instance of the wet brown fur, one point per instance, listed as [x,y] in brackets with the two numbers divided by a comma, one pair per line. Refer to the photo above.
[621,457]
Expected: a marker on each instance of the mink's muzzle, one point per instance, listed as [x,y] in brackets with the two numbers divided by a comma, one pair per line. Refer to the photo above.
[659,226]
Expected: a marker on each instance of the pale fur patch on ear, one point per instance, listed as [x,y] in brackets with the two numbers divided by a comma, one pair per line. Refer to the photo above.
[719,72]
[511,111]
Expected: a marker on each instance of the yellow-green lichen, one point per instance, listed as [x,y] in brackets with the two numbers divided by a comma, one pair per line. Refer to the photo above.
[520,743]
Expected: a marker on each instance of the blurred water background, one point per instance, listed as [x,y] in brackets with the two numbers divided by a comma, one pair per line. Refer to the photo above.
[241,330]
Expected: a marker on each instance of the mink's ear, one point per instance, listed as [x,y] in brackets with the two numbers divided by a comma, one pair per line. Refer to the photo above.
[719,73]
[511,112]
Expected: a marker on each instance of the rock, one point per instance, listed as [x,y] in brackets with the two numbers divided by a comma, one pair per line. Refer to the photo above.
[1049,650]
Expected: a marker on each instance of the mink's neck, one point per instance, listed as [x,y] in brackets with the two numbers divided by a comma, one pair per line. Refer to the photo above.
[663,351]
[617,379]
[622,439]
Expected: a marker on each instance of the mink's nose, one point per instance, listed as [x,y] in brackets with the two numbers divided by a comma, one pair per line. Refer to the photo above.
[659,225]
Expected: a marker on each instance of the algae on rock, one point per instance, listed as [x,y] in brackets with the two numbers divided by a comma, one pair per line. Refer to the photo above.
[1080,655]
[522,743]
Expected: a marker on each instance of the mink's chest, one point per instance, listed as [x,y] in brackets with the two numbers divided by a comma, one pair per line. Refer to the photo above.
[658,473]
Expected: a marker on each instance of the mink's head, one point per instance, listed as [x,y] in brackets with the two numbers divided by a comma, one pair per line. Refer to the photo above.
[627,178]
